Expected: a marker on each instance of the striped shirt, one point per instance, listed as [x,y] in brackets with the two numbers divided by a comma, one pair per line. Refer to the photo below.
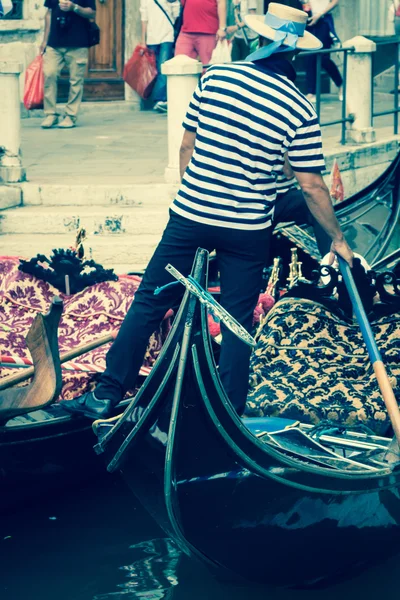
[246,117]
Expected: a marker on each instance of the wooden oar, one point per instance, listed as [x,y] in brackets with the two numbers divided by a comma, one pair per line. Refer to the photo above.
[374,354]
[70,355]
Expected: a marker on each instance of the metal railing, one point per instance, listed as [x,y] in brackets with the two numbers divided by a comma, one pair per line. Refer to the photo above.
[395,110]
[344,119]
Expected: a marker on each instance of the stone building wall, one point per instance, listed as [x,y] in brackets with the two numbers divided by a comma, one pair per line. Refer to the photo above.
[19,39]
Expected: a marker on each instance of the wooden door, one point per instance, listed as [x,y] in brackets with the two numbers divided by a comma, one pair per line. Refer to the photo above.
[106,61]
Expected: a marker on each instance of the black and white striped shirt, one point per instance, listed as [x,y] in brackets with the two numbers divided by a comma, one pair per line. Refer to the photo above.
[246,117]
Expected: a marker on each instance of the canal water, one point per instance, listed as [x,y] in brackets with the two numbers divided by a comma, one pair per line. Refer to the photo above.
[98,543]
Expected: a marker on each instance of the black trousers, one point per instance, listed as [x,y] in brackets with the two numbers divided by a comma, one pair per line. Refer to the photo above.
[242,256]
[321,31]
[240,49]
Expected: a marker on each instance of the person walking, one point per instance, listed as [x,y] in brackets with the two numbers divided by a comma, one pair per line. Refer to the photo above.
[65,43]
[203,24]
[242,121]
[394,15]
[322,27]
[158,18]
[242,35]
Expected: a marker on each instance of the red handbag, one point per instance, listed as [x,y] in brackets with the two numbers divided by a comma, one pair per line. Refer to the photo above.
[34,84]
[140,71]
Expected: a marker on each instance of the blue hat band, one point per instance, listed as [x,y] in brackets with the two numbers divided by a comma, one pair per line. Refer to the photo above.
[287,34]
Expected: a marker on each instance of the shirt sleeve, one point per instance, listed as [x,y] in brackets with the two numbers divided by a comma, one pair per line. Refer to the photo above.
[86,4]
[175,8]
[192,115]
[144,16]
[305,152]
[48,4]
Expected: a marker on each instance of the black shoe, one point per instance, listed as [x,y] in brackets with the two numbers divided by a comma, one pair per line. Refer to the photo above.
[88,406]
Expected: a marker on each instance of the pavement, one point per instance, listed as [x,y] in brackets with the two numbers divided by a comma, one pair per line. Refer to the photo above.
[122,146]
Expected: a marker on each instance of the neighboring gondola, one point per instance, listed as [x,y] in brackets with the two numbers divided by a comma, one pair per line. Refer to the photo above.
[256,498]
[370,220]
[42,449]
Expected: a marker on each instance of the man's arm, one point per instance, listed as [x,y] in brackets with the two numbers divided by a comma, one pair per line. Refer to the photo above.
[47,21]
[319,202]
[315,18]
[68,6]
[186,151]
[144,33]
[144,18]
[221,7]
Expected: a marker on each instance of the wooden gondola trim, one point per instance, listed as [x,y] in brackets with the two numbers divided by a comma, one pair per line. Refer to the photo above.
[12,380]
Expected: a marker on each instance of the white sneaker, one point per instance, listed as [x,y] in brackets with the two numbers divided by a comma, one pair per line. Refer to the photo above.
[161,106]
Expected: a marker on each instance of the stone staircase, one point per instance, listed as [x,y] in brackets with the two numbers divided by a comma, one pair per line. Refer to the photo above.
[123,223]
[385,81]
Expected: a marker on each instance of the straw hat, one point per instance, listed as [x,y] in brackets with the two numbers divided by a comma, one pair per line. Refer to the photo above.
[297,19]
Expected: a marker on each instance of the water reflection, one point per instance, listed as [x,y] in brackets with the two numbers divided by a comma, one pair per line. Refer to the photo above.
[97,543]
[151,575]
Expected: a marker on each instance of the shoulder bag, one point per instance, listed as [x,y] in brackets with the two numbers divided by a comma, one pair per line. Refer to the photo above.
[93,33]
[178,23]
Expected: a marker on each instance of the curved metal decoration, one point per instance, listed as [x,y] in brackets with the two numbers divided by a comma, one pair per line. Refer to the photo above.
[213,306]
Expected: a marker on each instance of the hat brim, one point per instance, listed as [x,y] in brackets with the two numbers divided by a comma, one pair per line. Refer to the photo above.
[257,24]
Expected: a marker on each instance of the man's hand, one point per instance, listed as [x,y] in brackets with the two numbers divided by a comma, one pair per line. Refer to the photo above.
[341,248]
[231,29]
[66,5]
[42,48]
[221,34]
[313,20]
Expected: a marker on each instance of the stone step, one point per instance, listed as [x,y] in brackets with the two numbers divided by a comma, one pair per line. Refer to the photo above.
[10,196]
[385,81]
[123,253]
[151,195]
[108,222]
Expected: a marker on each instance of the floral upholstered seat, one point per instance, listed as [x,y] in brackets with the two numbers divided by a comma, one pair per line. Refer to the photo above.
[311,365]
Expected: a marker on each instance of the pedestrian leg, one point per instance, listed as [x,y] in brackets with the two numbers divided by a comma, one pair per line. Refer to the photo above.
[185,45]
[205,44]
[77,61]
[332,70]
[166,52]
[311,74]
[53,61]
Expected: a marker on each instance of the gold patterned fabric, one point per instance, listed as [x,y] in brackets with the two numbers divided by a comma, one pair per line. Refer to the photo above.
[309,365]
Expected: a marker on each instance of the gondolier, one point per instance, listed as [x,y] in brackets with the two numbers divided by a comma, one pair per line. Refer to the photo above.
[242,121]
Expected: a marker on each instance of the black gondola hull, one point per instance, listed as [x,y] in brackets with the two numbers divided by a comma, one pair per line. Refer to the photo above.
[37,460]
[228,499]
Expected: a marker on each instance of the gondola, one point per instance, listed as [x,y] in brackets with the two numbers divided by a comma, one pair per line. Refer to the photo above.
[46,449]
[370,220]
[259,499]
[41,448]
